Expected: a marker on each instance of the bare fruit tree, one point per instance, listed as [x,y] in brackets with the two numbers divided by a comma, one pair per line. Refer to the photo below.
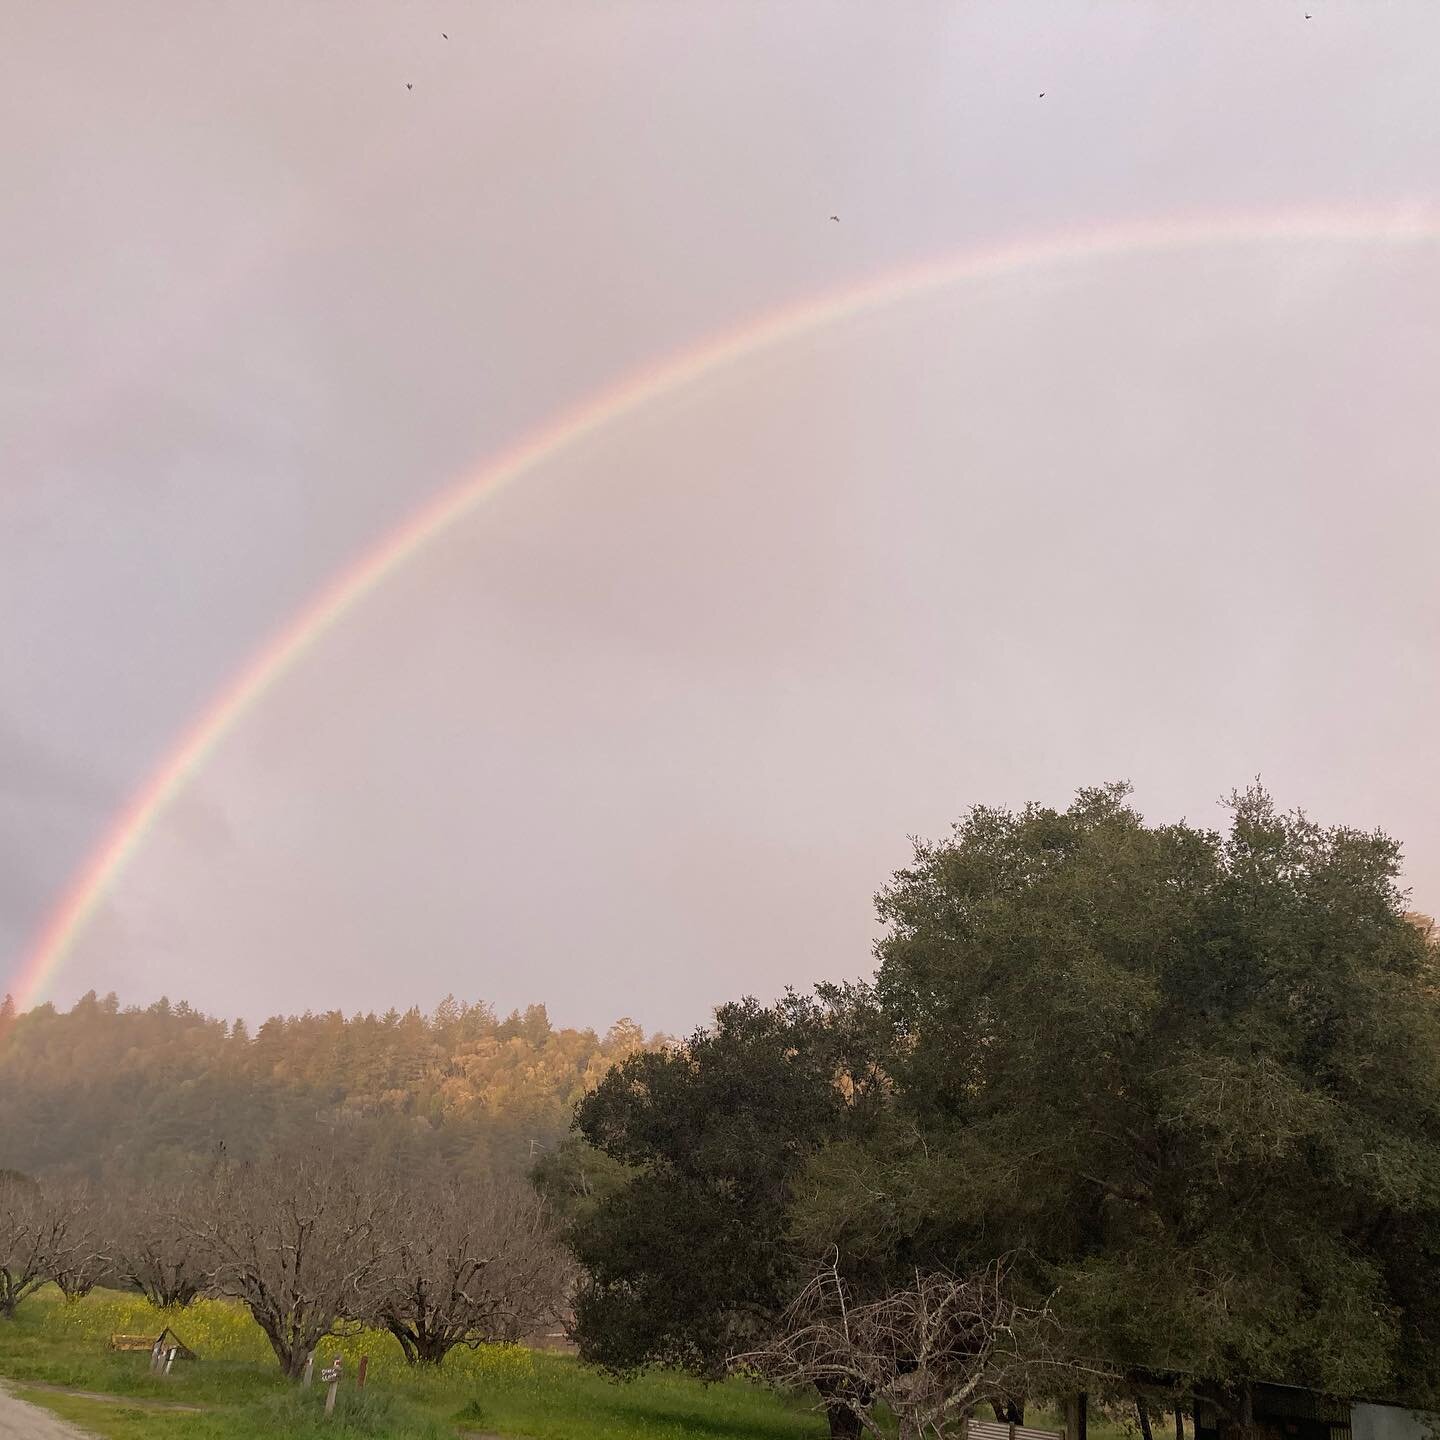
[931,1352]
[33,1234]
[81,1255]
[293,1239]
[156,1247]
[462,1264]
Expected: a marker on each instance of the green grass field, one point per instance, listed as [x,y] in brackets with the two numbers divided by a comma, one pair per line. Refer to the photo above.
[497,1390]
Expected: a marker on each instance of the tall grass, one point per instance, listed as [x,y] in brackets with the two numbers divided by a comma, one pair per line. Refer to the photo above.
[501,1389]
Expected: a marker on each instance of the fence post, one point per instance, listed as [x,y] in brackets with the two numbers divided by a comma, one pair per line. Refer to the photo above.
[170,1358]
[360,1374]
[308,1377]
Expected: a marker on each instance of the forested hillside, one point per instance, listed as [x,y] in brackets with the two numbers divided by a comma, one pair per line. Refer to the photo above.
[101,1089]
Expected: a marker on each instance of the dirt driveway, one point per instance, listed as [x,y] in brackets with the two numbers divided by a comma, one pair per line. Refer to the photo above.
[19,1421]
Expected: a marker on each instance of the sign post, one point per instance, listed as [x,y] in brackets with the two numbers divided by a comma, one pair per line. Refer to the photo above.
[332,1378]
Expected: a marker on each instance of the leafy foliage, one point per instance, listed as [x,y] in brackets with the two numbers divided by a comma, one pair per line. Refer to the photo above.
[688,1259]
[1191,1079]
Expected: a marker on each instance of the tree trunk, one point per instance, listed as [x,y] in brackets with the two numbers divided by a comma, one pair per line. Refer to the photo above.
[403,1335]
[843,1421]
[1142,1413]
[295,1364]
[292,1361]
[431,1348]
[291,1354]
[166,1297]
[1179,1423]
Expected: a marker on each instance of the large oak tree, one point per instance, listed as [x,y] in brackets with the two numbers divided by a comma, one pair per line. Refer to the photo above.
[1192,1077]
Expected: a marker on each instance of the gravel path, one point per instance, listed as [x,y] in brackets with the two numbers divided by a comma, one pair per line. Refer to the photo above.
[19,1421]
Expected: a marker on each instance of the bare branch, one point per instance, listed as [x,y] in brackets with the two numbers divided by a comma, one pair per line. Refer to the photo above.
[155,1243]
[931,1352]
[293,1239]
[462,1264]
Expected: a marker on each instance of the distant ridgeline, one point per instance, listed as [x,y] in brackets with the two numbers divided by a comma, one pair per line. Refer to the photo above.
[102,1089]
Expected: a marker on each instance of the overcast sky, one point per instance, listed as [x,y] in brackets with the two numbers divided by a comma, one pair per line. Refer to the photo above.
[650,728]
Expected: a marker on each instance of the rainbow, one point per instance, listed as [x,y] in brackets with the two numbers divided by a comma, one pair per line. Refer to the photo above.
[571,428]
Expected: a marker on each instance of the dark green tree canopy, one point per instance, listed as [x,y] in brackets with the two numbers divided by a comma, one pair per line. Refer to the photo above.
[1192,1077]
[691,1257]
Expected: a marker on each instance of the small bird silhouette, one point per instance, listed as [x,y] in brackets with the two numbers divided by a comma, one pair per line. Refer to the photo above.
[836,219]
[1042,94]
[408,85]
[443,35]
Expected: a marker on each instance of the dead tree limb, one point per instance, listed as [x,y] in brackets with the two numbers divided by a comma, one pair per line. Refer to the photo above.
[931,1352]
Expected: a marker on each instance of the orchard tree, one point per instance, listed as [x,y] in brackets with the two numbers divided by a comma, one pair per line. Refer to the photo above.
[156,1245]
[82,1255]
[292,1239]
[49,1231]
[463,1264]
[29,1235]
